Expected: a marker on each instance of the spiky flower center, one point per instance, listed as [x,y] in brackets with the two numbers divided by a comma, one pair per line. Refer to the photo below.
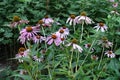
[83,14]
[89,45]
[16,18]
[104,39]
[101,24]
[38,36]
[74,41]
[46,17]
[72,16]
[110,52]
[64,27]
[62,39]
[61,31]
[94,57]
[40,22]
[54,36]
[29,29]
[21,53]
[22,49]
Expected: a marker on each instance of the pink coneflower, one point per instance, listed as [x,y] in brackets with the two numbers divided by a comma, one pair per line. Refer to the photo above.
[40,23]
[23,72]
[63,32]
[111,0]
[47,21]
[115,4]
[28,34]
[94,57]
[83,18]
[54,38]
[105,43]
[75,46]
[115,12]
[88,45]
[22,53]
[101,26]
[71,20]
[17,21]
[110,54]
[38,59]
[38,39]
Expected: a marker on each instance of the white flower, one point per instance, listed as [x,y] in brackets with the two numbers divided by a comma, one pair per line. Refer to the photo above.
[105,43]
[110,54]
[114,12]
[38,59]
[75,46]
[71,20]
[22,72]
[101,26]
[83,18]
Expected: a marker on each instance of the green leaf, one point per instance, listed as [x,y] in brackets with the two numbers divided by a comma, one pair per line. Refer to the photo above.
[117,52]
[8,35]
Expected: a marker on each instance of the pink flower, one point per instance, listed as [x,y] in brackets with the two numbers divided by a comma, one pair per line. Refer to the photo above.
[22,53]
[75,46]
[105,43]
[64,32]
[94,57]
[83,18]
[111,0]
[101,26]
[38,59]
[48,21]
[38,39]
[28,34]
[54,38]
[23,72]
[17,21]
[71,20]
[115,5]
[110,54]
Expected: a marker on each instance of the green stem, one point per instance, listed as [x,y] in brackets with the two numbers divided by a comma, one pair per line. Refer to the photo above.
[44,36]
[74,28]
[70,62]
[81,32]
[77,55]
[49,71]
[26,68]
[101,58]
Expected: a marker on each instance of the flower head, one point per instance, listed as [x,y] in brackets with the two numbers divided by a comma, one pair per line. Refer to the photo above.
[28,34]
[54,38]
[38,39]
[22,53]
[63,32]
[88,45]
[94,57]
[110,54]
[71,20]
[17,21]
[47,21]
[115,4]
[75,45]
[83,18]
[105,43]
[38,59]
[101,26]
[115,12]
